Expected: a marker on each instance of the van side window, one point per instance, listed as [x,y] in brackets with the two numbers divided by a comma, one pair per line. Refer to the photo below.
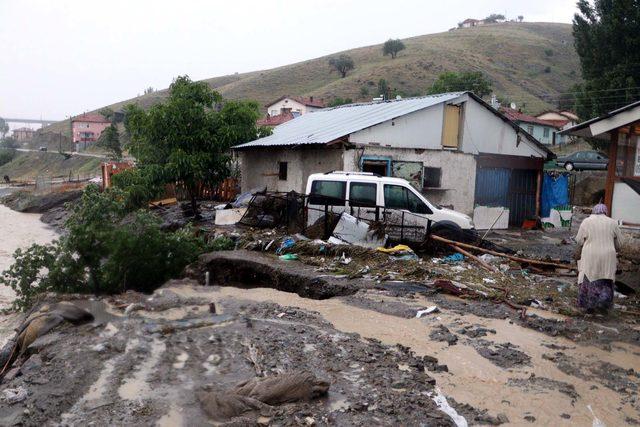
[362,194]
[328,193]
[398,197]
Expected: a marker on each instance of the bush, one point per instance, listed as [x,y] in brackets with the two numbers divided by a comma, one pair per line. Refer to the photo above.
[137,188]
[222,243]
[548,52]
[6,155]
[105,250]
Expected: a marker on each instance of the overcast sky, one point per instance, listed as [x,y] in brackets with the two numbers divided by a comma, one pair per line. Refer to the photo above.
[64,57]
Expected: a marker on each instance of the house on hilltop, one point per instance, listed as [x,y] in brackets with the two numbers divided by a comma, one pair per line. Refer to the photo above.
[294,104]
[86,129]
[545,131]
[470,22]
[453,147]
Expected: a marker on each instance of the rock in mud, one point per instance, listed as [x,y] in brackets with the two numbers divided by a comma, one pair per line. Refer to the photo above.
[284,388]
[503,355]
[542,384]
[442,333]
[223,406]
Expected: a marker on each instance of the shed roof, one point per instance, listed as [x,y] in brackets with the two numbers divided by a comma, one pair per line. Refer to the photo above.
[330,124]
[327,125]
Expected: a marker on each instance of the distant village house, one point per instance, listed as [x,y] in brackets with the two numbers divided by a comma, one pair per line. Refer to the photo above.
[23,134]
[453,147]
[470,22]
[86,129]
[287,108]
[545,131]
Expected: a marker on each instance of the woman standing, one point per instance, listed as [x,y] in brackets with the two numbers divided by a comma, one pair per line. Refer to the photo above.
[599,237]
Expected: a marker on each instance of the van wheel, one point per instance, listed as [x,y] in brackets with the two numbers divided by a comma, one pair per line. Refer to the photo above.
[449,232]
[568,166]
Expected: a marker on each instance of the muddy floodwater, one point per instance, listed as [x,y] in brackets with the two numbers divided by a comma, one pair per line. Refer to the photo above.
[18,230]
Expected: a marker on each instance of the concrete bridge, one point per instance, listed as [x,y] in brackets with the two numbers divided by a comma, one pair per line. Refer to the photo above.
[40,121]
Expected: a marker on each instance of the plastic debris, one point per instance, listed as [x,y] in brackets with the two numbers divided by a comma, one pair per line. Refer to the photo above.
[345,259]
[453,259]
[287,243]
[400,253]
[356,232]
[289,257]
[429,310]
[13,395]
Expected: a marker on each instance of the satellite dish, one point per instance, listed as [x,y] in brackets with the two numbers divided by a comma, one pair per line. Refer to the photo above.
[513,105]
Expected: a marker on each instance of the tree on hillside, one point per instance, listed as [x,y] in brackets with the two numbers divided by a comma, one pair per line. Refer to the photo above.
[383,89]
[335,102]
[343,64]
[392,47]
[107,113]
[606,40]
[4,127]
[494,17]
[451,81]
[149,90]
[520,18]
[185,140]
[110,141]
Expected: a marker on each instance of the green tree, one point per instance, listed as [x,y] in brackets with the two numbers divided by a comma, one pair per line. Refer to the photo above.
[383,89]
[606,40]
[520,18]
[110,141]
[343,64]
[6,155]
[451,81]
[339,101]
[185,140]
[392,47]
[4,127]
[494,17]
[107,113]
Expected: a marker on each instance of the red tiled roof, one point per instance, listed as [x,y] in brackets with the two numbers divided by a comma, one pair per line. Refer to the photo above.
[275,120]
[309,102]
[517,116]
[90,118]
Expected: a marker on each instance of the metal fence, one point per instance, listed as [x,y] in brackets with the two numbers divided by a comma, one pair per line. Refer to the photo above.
[295,212]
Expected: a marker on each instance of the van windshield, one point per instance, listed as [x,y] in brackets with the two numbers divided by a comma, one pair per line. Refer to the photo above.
[420,192]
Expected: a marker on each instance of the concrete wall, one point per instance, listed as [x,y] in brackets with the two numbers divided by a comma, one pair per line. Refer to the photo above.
[625,205]
[458,179]
[259,167]
[421,129]
[484,132]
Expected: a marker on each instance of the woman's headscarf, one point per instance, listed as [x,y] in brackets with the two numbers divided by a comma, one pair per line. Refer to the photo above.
[600,209]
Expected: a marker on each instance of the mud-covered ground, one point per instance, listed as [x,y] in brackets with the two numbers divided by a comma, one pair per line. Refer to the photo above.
[145,358]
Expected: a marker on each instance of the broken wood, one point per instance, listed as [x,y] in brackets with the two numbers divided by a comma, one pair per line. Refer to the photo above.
[474,258]
[500,254]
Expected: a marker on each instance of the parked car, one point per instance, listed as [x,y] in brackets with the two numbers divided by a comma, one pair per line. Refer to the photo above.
[393,200]
[42,148]
[583,160]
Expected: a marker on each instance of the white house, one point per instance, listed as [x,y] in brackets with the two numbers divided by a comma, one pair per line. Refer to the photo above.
[294,104]
[454,147]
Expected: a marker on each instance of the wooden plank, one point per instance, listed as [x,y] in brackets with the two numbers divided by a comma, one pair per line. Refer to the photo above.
[611,170]
[451,126]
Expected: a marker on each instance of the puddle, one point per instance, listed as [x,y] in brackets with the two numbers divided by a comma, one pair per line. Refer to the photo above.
[137,387]
[471,378]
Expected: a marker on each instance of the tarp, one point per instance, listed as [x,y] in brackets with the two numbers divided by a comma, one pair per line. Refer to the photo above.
[555,192]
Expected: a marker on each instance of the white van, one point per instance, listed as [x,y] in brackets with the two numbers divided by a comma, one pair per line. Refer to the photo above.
[392,200]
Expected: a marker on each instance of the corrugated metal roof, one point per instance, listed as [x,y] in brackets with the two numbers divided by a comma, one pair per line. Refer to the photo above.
[324,126]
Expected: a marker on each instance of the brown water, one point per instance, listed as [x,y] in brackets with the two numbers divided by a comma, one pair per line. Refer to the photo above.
[472,378]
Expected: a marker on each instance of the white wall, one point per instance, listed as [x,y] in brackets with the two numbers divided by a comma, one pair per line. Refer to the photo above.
[458,179]
[481,132]
[421,129]
[484,132]
[625,205]
[259,167]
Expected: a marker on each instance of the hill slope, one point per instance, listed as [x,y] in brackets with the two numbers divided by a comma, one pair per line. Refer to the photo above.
[528,63]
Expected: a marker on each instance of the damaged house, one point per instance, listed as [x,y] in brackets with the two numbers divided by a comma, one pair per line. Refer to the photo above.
[455,148]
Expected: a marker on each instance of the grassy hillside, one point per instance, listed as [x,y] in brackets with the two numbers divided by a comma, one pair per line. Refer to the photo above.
[528,63]
[27,166]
